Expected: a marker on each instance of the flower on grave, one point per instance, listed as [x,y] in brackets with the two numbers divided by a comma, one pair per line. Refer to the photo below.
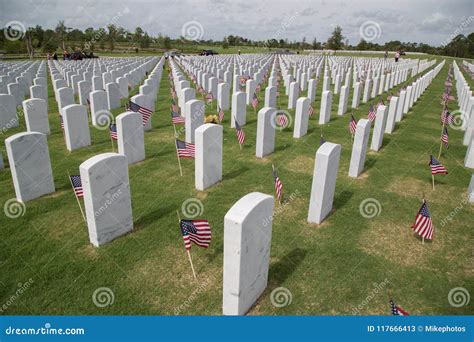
[212,119]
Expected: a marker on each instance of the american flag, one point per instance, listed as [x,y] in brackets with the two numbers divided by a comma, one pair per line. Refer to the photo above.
[282,120]
[445,137]
[113,131]
[423,225]
[145,112]
[397,310]
[278,185]
[61,121]
[240,133]
[437,167]
[196,231]
[174,107]
[352,125]
[372,113]
[254,101]
[446,117]
[446,95]
[173,93]
[220,114]
[311,110]
[77,185]
[185,150]
[176,118]
[209,98]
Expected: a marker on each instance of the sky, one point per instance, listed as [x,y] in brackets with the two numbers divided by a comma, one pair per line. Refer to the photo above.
[428,21]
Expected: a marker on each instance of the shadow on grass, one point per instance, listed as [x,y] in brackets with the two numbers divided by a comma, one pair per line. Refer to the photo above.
[283,268]
[235,173]
[152,216]
[369,163]
[342,198]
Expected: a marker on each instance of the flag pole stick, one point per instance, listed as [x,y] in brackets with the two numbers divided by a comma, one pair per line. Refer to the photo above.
[432,178]
[77,199]
[441,142]
[187,251]
[177,155]
[113,146]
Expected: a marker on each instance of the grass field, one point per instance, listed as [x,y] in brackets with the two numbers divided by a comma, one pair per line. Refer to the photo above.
[347,265]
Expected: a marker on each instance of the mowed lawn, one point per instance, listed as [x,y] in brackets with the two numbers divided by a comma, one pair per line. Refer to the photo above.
[347,262]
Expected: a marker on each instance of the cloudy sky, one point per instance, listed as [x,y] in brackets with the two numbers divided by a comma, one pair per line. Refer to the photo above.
[429,21]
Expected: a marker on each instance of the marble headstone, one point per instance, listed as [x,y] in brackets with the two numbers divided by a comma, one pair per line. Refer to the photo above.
[379,127]
[208,155]
[130,136]
[247,242]
[107,200]
[28,156]
[265,132]
[76,126]
[359,148]
[36,116]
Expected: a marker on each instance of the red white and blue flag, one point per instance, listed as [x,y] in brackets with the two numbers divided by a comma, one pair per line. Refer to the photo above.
[372,113]
[184,149]
[113,131]
[240,133]
[176,118]
[423,225]
[195,231]
[397,310]
[77,185]
[437,167]
[145,112]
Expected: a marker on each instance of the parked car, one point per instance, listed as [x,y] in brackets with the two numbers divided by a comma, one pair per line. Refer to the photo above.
[208,53]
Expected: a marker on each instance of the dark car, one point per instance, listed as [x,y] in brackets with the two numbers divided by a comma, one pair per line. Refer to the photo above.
[208,53]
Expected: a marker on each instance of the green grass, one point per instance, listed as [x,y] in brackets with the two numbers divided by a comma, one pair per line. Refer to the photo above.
[329,269]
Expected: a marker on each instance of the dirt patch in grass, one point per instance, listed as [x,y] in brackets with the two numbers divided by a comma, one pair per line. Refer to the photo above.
[302,164]
[398,244]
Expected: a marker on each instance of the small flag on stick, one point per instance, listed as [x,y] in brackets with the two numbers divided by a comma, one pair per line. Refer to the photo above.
[423,225]
[397,310]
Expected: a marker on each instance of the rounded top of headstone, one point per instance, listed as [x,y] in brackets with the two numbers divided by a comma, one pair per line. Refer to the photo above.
[303,99]
[32,101]
[101,158]
[128,115]
[209,127]
[328,148]
[246,205]
[25,135]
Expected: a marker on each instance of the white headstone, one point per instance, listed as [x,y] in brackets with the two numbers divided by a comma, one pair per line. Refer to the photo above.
[293,95]
[356,95]
[247,242]
[270,96]
[195,110]
[223,92]
[469,158]
[208,155]
[343,100]
[312,89]
[400,105]
[392,113]
[99,107]
[326,104]
[265,131]
[113,95]
[359,148]
[28,156]
[8,116]
[301,117]
[36,116]
[107,199]
[379,127]
[239,109]
[65,98]
[470,190]
[250,90]
[130,136]
[76,126]
[147,102]
[326,165]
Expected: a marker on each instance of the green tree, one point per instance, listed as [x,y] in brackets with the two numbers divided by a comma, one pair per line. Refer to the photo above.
[335,41]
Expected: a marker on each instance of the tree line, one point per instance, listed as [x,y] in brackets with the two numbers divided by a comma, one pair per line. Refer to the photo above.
[116,38]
